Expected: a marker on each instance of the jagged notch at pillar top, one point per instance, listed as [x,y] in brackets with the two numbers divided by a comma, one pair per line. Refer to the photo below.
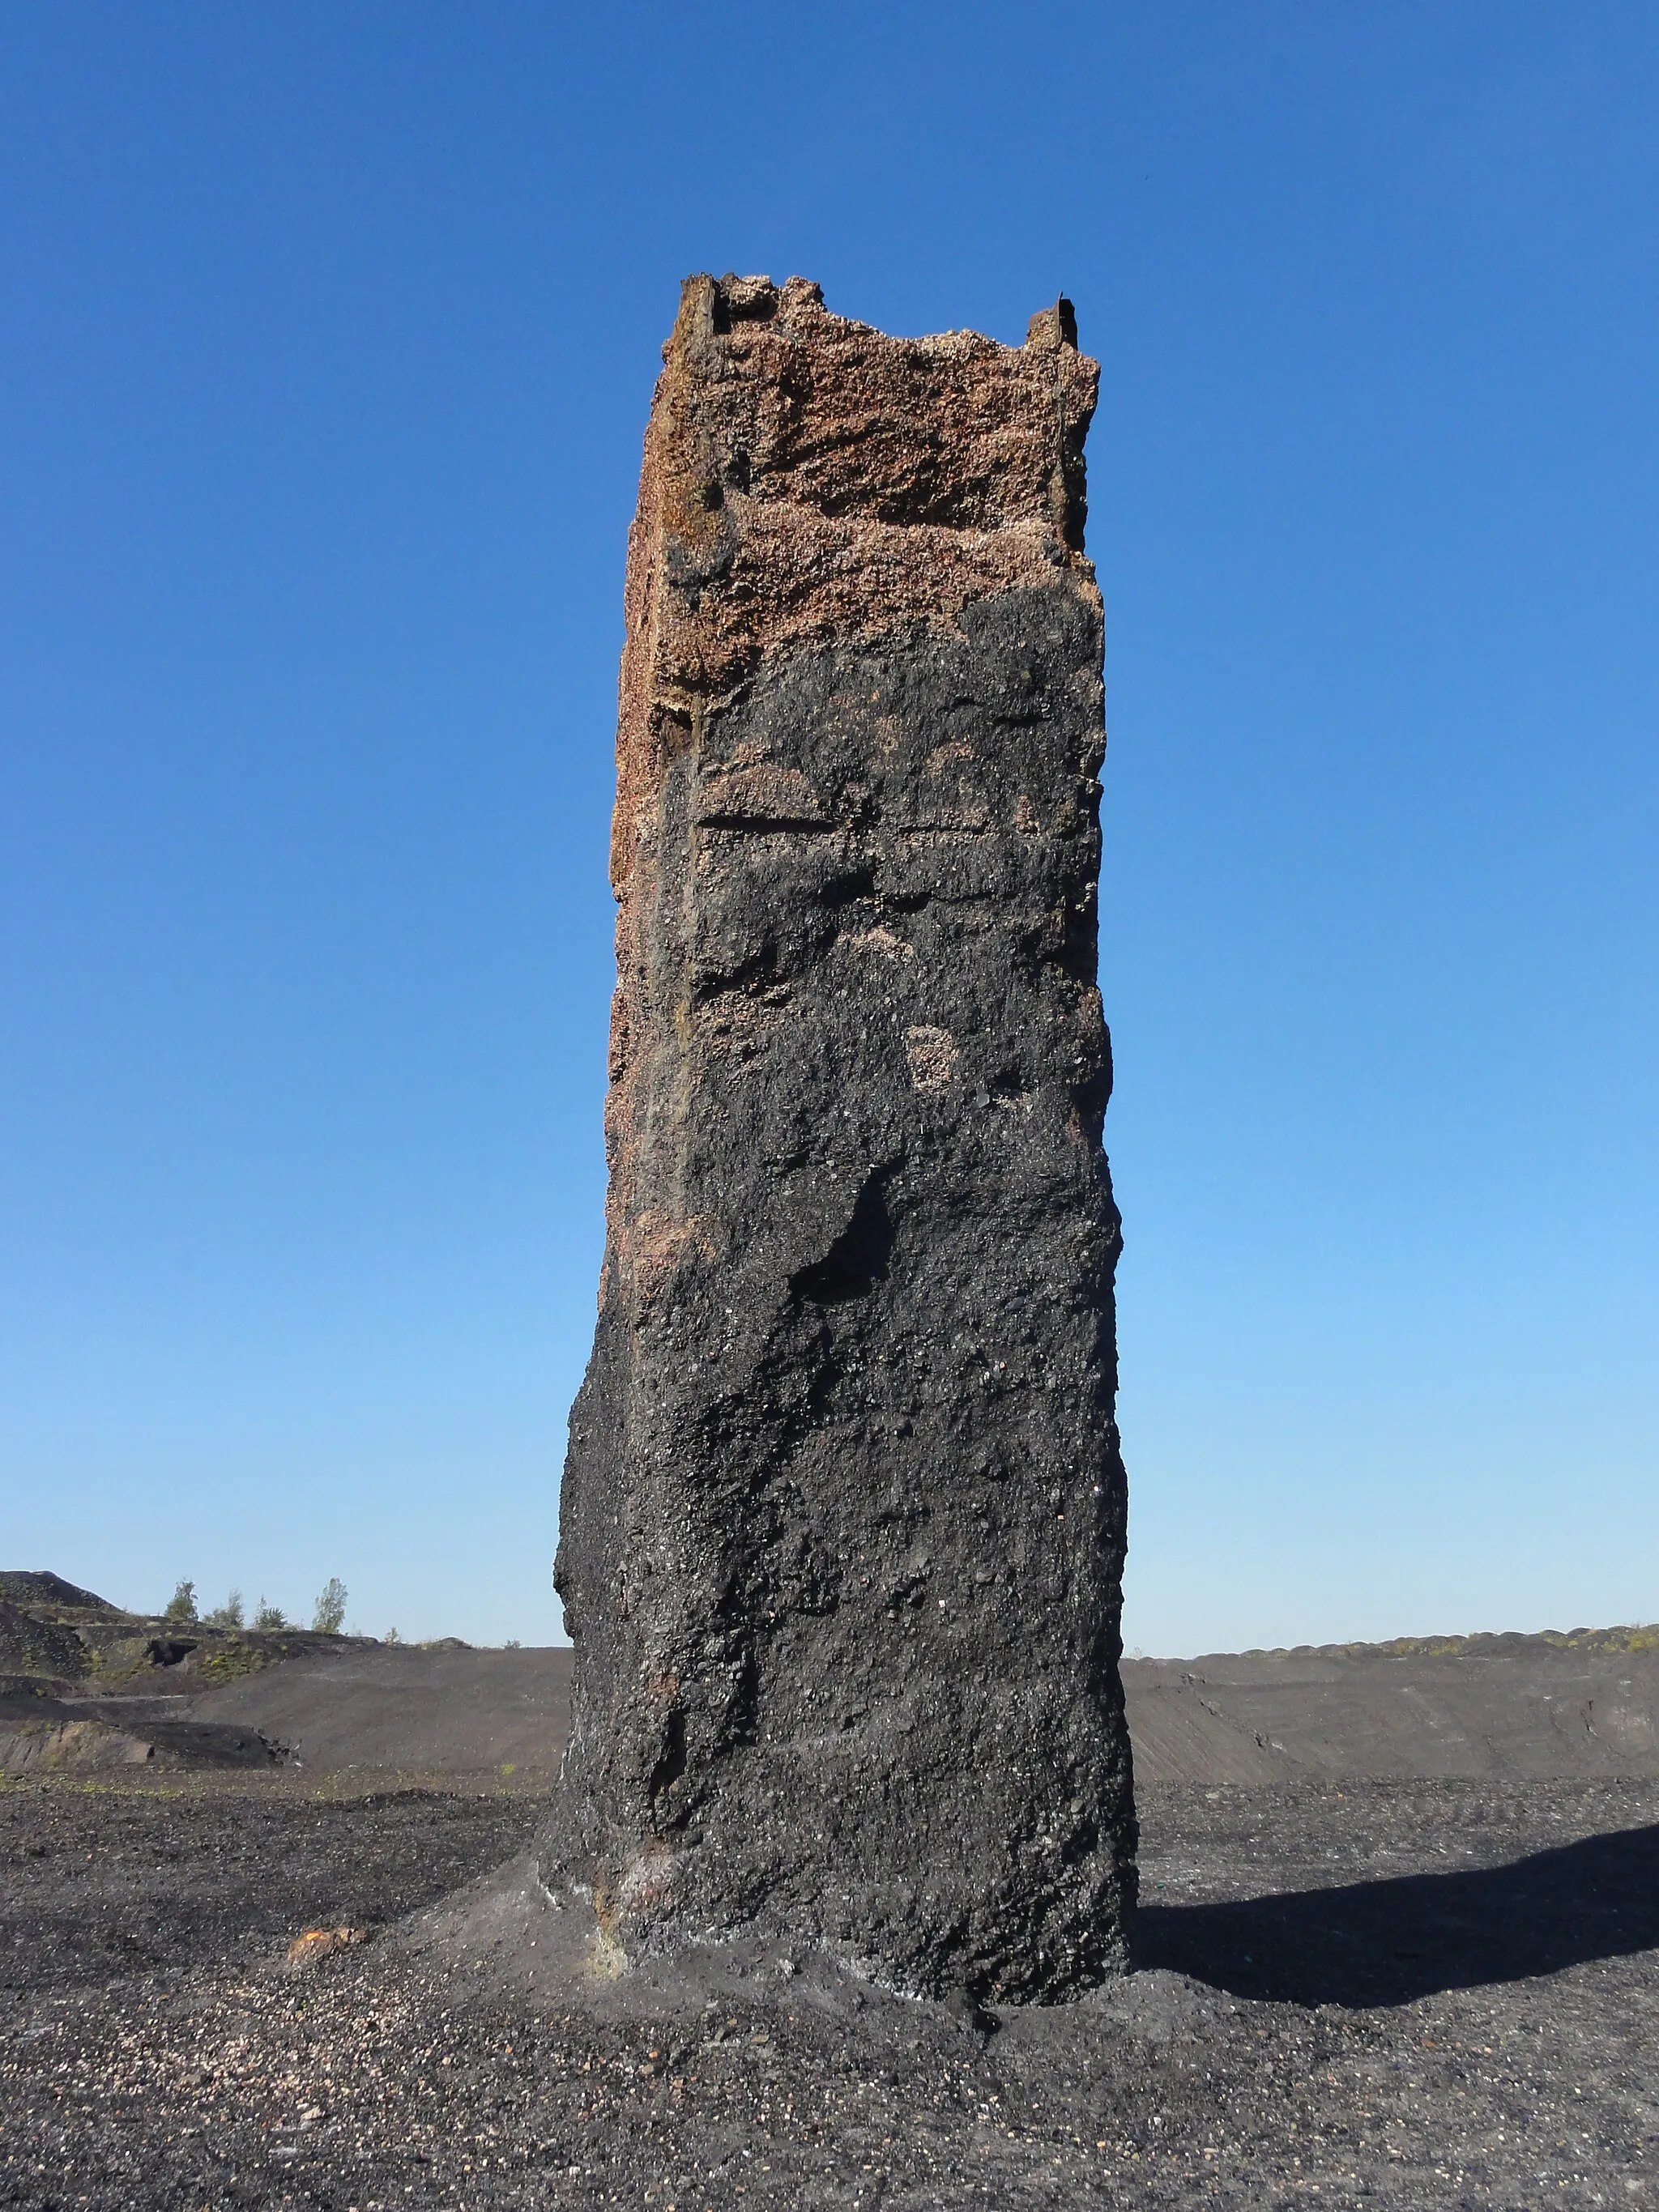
[766,395]
[808,478]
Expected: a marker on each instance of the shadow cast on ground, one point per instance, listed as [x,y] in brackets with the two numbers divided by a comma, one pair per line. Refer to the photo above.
[1388,1942]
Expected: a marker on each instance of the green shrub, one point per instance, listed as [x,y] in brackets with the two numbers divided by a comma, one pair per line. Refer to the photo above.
[268,1618]
[228,1615]
[392,1637]
[181,1606]
[329,1619]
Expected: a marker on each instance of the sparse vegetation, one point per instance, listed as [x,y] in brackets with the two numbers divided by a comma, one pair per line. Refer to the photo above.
[392,1637]
[268,1618]
[181,1606]
[513,1644]
[329,1619]
[228,1615]
[1484,1644]
[230,1661]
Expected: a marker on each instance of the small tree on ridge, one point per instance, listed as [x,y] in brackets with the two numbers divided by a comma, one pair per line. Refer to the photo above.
[329,1619]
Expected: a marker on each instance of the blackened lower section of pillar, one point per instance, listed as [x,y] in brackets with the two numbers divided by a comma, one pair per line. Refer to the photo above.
[842,1523]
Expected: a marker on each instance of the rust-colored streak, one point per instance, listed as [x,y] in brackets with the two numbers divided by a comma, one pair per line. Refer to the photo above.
[808,479]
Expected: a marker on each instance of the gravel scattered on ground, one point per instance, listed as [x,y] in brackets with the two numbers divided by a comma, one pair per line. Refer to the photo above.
[156,2050]
[108,1878]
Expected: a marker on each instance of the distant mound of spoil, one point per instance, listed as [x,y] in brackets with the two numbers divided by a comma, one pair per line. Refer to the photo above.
[1477,1707]
[43,1649]
[44,1588]
[84,1684]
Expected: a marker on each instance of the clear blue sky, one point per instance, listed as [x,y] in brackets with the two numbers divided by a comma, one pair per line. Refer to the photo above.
[327,333]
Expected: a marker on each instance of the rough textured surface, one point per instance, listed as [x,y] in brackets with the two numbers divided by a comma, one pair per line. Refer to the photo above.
[130,1872]
[42,1648]
[842,1522]
[1427,1994]
[39,1587]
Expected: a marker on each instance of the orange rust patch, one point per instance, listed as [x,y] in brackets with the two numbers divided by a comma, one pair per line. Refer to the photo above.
[660,1246]
[320,1943]
[661,1690]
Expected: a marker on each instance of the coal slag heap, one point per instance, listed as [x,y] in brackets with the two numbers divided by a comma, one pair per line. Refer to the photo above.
[842,1522]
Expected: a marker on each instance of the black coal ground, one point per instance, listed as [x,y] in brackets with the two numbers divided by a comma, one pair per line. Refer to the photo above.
[1418,1993]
